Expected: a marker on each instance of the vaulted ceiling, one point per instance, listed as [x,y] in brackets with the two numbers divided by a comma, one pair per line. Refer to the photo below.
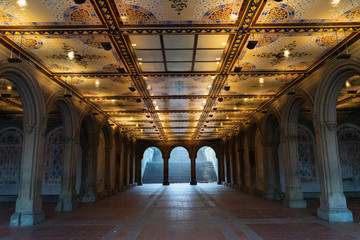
[178,69]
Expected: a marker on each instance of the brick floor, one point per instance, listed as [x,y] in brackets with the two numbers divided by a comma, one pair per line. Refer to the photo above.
[181,212]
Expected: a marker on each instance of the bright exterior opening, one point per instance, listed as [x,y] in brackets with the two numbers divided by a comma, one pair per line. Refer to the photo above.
[206,165]
[179,166]
[152,166]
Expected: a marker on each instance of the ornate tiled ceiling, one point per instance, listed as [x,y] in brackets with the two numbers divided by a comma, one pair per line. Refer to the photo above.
[169,69]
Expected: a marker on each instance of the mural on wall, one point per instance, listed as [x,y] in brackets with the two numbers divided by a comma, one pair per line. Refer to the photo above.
[54,156]
[349,151]
[10,155]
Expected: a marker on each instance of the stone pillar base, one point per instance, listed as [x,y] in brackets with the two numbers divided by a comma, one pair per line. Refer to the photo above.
[27,218]
[66,206]
[193,183]
[335,215]
[295,203]
[140,184]
[166,183]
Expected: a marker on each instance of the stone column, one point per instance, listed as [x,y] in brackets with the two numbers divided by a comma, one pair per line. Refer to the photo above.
[128,166]
[107,171]
[237,168]
[122,169]
[88,185]
[166,171]
[293,190]
[193,171]
[272,177]
[332,201]
[67,196]
[220,169]
[28,210]
[138,169]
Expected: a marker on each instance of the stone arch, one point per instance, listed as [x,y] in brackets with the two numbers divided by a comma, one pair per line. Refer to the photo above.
[88,143]
[251,158]
[272,167]
[329,89]
[205,172]
[71,133]
[28,205]
[332,200]
[176,172]
[106,130]
[157,167]
[117,139]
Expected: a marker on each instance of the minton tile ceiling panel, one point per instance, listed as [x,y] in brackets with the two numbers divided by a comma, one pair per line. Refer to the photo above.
[89,56]
[119,105]
[104,86]
[47,12]
[303,11]
[179,116]
[304,49]
[179,104]
[240,103]
[187,85]
[137,12]
[262,85]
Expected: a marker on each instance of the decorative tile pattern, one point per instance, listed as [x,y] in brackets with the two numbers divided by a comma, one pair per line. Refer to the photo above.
[10,155]
[47,12]
[178,12]
[304,11]
[349,151]
[306,154]
[54,156]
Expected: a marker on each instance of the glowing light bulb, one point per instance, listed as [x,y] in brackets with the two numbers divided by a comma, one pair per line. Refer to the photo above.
[113,100]
[157,108]
[213,77]
[245,99]
[21,3]
[261,80]
[209,86]
[233,16]
[9,87]
[235,108]
[97,83]
[224,43]
[347,84]
[71,55]
[218,59]
[334,3]
[134,44]
[286,53]
[131,118]
[217,62]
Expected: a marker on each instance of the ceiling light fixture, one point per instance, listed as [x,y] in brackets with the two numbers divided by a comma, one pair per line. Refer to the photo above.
[22,3]
[71,55]
[261,80]
[97,83]
[347,84]
[134,44]
[286,53]
[224,43]
[79,1]
[106,46]
[245,99]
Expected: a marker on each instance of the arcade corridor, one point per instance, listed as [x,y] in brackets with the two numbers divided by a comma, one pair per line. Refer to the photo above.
[180,212]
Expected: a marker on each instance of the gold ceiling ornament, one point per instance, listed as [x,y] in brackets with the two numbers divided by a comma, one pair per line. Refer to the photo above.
[178,5]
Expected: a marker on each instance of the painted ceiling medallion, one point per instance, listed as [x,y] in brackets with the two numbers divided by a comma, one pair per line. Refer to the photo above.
[178,5]
[82,60]
[279,57]
[221,14]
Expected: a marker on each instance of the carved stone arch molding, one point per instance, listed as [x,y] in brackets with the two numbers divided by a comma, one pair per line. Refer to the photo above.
[28,204]
[329,88]
[30,92]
